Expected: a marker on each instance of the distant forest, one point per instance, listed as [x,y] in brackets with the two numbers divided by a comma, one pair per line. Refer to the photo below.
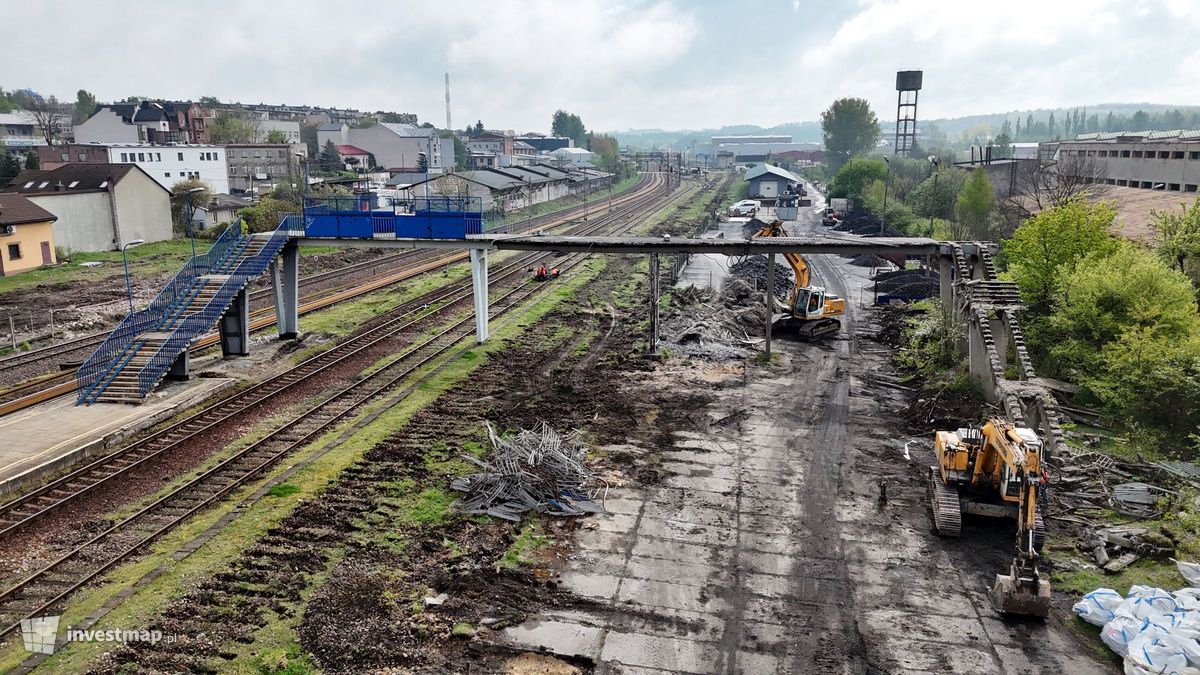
[1018,126]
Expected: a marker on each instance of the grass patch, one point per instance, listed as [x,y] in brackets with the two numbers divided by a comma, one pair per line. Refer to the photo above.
[529,540]
[283,490]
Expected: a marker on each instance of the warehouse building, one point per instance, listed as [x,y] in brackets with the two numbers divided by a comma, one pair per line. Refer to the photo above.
[1152,160]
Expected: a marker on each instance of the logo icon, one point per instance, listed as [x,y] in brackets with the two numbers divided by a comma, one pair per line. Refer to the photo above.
[39,634]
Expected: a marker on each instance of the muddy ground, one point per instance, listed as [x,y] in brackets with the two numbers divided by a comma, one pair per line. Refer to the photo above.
[746,532]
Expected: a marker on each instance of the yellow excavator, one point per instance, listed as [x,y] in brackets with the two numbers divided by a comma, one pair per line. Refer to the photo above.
[995,471]
[810,309]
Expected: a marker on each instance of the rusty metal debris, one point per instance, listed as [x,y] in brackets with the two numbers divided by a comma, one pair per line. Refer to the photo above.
[540,471]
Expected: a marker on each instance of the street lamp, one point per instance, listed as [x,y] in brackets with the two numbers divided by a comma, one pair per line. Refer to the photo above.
[191,215]
[421,155]
[886,178]
[304,162]
[933,205]
[125,259]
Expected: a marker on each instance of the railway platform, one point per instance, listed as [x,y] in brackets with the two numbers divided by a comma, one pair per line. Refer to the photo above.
[44,439]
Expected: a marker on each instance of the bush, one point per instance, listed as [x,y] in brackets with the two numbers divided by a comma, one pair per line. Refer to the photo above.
[854,177]
[266,214]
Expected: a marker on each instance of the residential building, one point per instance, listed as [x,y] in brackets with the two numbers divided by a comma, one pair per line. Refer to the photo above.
[26,235]
[500,144]
[362,158]
[1153,160]
[167,164]
[289,128]
[221,210]
[147,122]
[19,132]
[98,206]
[396,147]
[256,168]
[572,155]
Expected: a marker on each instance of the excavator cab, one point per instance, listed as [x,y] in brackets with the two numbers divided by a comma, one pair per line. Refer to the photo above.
[810,303]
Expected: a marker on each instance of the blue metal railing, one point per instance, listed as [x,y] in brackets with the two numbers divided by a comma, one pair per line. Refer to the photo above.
[224,257]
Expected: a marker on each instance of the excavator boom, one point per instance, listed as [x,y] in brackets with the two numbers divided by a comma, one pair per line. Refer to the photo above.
[812,310]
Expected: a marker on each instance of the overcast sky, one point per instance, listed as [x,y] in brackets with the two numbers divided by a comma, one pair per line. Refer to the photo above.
[619,65]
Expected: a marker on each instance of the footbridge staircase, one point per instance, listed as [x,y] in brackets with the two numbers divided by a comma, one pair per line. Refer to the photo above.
[210,289]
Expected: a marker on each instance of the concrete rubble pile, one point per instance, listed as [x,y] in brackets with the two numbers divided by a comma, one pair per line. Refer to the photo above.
[540,471]
[1152,630]
[753,269]
[715,327]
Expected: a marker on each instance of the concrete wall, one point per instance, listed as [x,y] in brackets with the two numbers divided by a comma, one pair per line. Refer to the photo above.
[106,126]
[28,239]
[84,219]
[143,209]
[1141,164]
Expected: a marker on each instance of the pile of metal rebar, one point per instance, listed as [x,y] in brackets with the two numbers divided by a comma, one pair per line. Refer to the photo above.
[538,471]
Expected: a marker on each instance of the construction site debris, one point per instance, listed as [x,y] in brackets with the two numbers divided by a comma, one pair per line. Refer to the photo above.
[715,327]
[1152,630]
[539,471]
[753,269]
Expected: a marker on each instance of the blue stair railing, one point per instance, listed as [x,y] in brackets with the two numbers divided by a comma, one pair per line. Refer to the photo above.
[227,259]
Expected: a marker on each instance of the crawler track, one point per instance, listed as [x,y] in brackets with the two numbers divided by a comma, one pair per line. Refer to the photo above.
[401,266]
[427,340]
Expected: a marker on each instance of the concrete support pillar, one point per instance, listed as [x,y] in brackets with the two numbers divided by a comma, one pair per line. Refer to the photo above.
[977,357]
[1001,337]
[479,286]
[945,270]
[652,347]
[181,367]
[285,280]
[767,298]
[234,326]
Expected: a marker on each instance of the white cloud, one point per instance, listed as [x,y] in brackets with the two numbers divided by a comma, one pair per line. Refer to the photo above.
[633,63]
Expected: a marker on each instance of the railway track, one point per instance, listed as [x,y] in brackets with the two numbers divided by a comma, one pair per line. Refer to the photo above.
[42,590]
[46,387]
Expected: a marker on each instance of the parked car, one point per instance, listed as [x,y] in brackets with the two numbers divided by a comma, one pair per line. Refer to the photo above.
[746,207]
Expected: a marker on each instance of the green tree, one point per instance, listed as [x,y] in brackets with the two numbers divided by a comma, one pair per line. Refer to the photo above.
[854,176]
[308,136]
[329,159]
[849,127]
[276,136]
[226,129]
[266,215]
[31,160]
[938,196]
[975,204]
[422,163]
[1177,238]
[1125,326]
[7,105]
[210,101]
[570,126]
[606,149]
[10,166]
[181,193]
[85,104]
[1052,243]
[478,129]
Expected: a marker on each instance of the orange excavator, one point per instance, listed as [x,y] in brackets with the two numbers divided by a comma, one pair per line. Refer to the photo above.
[810,310]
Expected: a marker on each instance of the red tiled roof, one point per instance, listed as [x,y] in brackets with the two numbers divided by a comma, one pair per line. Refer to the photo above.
[350,150]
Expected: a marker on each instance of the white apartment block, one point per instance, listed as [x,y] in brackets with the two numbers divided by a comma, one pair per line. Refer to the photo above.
[169,164]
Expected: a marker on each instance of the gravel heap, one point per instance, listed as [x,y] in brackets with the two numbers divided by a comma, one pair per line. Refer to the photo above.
[912,284]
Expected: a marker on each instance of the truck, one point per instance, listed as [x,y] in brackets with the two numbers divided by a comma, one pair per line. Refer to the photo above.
[835,211]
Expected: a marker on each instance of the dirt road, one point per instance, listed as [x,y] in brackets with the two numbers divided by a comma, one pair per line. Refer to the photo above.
[764,547]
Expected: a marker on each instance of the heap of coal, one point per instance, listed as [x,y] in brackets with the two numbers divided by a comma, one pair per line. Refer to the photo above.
[866,224]
[753,269]
[912,284]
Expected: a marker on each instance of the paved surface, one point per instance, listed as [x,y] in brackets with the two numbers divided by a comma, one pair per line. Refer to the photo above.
[710,270]
[764,548]
[53,430]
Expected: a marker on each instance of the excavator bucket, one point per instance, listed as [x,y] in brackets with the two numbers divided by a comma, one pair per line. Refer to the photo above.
[1021,593]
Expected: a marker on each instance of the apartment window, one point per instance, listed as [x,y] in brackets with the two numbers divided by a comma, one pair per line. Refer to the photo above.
[245,153]
[1137,154]
[1125,153]
[257,154]
[1163,154]
[1194,154]
[158,156]
[181,156]
[124,157]
[167,174]
[281,154]
[14,251]
[1177,154]
[83,156]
